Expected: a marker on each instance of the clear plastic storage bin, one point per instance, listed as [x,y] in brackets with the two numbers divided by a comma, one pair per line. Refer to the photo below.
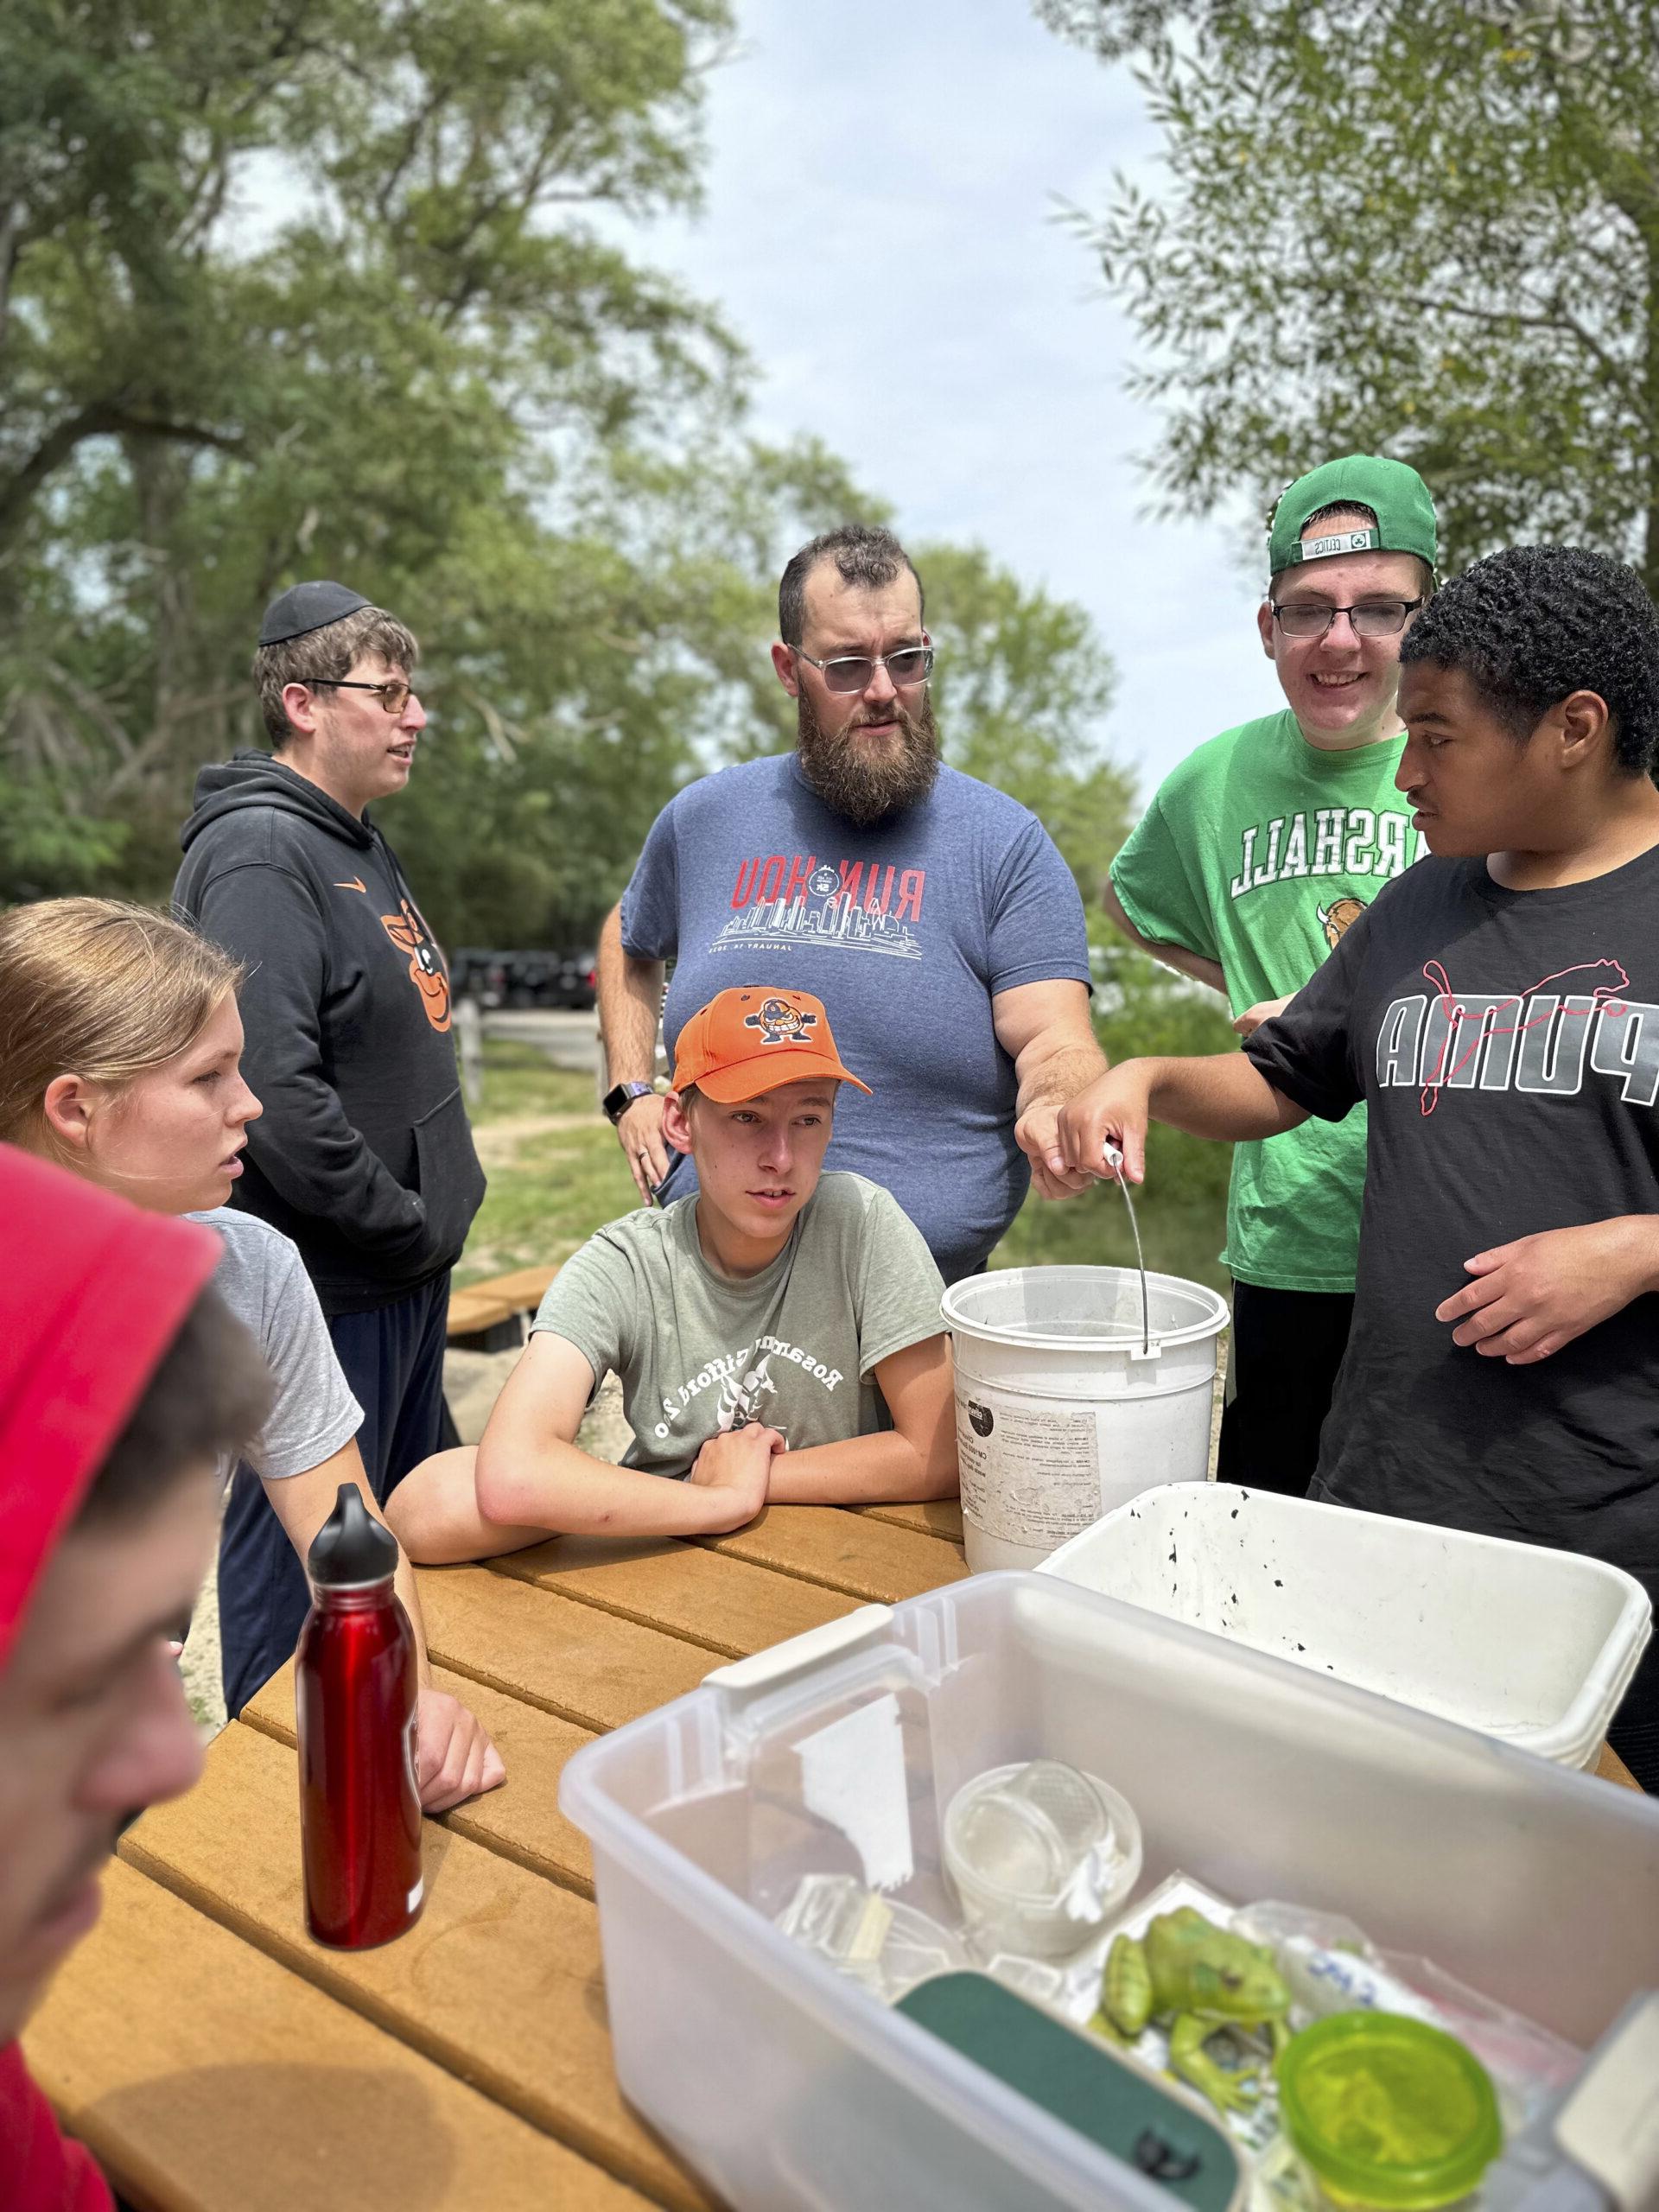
[785,2084]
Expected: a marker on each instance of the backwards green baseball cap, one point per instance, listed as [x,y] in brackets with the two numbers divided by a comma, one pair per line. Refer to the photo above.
[1395,494]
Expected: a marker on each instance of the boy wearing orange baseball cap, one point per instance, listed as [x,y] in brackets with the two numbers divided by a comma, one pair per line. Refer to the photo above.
[777,1331]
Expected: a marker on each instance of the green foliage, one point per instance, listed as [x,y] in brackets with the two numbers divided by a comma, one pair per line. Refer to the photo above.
[430,374]
[1431,231]
[1020,689]
[407,382]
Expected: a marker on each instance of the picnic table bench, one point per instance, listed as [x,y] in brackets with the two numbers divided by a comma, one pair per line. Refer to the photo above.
[490,1316]
[216,2060]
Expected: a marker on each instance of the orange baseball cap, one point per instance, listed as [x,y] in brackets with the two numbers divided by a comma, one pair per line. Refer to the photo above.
[746,1041]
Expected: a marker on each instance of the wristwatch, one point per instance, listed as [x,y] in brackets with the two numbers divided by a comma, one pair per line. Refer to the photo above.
[617,1101]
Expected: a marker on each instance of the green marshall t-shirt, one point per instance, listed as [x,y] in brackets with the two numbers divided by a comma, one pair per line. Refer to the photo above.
[1258,852]
[795,1347]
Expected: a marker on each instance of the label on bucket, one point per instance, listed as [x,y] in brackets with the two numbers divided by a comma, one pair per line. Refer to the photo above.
[1030,1474]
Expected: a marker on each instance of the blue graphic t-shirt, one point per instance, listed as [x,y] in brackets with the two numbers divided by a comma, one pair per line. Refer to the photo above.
[906,931]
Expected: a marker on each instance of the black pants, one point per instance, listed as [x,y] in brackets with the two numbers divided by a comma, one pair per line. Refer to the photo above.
[1635,1733]
[393,1359]
[1287,1347]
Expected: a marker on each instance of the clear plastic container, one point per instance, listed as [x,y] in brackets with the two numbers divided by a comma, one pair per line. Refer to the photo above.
[1040,1855]
[887,1946]
[784,2084]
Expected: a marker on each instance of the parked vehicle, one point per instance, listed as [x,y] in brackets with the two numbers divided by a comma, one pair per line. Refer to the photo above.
[578,983]
[525,977]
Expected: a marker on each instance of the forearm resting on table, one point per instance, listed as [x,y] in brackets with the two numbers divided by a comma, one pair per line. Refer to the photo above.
[630,1000]
[914,1459]
[478,1501]
[1169,956]
[1223,1096]
[883,1469]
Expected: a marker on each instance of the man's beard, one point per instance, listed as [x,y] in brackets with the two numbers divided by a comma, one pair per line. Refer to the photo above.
[863,782]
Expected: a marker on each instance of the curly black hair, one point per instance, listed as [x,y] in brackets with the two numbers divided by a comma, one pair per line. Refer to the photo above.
[1530,625]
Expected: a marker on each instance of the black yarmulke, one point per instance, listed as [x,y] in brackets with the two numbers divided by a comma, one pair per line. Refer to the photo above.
[307,607]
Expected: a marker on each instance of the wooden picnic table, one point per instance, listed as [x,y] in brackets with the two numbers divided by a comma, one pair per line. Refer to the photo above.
[216,2060]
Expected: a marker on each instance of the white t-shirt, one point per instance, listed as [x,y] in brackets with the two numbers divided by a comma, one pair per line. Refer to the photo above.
[262,1278]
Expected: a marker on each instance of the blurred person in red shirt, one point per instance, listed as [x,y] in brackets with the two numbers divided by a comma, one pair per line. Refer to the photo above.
[122,1378]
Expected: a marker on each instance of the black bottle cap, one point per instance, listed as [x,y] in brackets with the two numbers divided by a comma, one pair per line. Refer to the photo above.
[352,1548]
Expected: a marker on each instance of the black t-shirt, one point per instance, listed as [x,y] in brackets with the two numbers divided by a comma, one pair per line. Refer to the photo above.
[1507,1046]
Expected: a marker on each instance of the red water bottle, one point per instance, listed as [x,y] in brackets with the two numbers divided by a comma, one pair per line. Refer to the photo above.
[354,1687]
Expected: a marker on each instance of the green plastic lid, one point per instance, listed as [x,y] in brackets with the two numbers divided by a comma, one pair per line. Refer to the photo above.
[1388,2111]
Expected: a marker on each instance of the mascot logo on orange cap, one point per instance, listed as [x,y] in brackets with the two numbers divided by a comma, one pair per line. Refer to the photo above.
[780,1023]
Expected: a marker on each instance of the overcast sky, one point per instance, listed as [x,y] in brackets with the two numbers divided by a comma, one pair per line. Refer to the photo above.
[879,229]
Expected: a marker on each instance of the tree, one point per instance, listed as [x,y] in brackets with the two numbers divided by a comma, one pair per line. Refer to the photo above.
[397,380]
[429,371]
[1022,689]
[1431,232]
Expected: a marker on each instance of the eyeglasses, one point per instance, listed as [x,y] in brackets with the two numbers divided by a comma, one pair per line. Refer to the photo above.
[393,697]
[1372,618]
[856,672]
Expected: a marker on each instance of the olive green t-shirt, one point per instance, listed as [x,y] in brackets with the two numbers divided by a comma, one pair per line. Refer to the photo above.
[795,1347]
[1257,853]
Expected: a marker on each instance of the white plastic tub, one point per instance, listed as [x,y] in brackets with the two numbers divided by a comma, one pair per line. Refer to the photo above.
[1072,1395]
[785,2085]
[1529,1644]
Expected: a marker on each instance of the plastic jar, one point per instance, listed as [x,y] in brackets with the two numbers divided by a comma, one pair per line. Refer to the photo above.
[1040,1855]
[1386,2114]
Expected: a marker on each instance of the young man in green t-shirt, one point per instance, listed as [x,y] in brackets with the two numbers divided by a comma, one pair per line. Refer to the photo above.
[777,1331]
[1253,859]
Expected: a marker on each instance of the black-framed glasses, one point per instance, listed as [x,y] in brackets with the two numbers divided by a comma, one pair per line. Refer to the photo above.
[394,695]
[856,672]
[1372,618]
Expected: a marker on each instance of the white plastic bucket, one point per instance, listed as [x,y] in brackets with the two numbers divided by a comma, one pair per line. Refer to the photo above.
[1532,1645]
[1064,1412]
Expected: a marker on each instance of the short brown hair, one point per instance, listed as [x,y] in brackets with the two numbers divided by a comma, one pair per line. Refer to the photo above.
[206,1400]
[327,656]
[96,987]
[865,555]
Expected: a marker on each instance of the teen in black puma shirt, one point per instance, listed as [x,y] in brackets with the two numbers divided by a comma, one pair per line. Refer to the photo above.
[1498,1009]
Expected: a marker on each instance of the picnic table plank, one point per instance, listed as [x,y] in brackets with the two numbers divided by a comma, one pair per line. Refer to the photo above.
[1611,1768]
[572,1660]
[480,1305]
[499,1980]
[937,1516]
[725,1605]
[203,2074]
[523,1817]
[872,1560]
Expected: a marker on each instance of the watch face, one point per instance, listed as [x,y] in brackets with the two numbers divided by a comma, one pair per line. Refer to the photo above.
[616,1101]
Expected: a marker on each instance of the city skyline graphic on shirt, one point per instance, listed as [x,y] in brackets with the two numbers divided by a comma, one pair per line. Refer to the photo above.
[837,920]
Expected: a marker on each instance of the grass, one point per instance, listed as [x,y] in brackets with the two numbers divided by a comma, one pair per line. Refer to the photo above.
[556,1170]
[557,1173]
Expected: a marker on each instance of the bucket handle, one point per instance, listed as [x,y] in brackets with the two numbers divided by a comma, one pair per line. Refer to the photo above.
[1115,1159]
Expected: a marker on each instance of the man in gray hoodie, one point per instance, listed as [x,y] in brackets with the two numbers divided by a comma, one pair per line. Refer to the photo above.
[363,1154]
